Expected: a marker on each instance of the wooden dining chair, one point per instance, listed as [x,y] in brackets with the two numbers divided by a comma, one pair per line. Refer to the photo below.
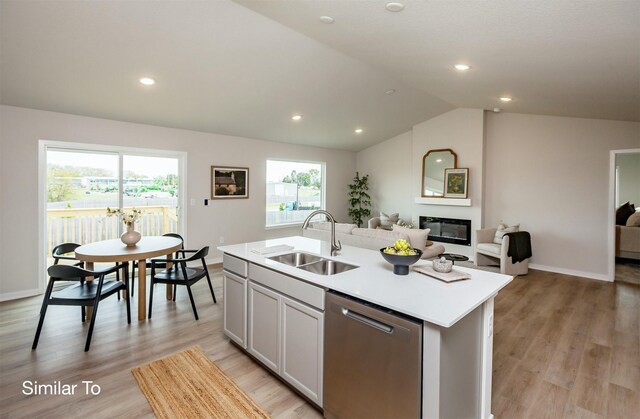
[181,274]
[84,294]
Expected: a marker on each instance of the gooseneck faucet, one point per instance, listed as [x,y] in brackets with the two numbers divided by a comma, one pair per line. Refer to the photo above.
[335,246]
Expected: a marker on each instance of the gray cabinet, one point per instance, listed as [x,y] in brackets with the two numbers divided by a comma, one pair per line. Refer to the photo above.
[264,326]
[235,299]
[302,329]
[285,328]
[235,307]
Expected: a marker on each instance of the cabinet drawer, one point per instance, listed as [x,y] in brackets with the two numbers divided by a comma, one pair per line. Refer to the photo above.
[235,265]
[295,288]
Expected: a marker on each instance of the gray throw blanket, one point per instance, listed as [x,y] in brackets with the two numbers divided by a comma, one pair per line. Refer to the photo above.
[519,246]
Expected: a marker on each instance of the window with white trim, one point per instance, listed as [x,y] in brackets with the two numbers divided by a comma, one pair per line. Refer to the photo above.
[294,190]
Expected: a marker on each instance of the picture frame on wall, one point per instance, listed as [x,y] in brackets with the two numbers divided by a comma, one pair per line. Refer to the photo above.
[228,182]
[456,183]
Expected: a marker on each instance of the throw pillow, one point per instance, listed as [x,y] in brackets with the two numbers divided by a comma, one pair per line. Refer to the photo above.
[504,229]
[417,237]
[625,211]
[387,221]
[634,220]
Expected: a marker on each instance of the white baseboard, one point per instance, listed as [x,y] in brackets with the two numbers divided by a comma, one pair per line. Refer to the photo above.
[19,294]
[573,272]
[213,261]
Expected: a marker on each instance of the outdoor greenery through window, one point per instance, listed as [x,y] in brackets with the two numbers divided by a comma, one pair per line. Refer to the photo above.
[294,190]
[82,184]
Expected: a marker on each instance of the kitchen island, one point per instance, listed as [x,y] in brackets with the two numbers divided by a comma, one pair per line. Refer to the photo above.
[272,307]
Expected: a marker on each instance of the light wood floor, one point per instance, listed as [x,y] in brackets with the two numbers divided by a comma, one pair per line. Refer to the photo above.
[564,347]
[628,272]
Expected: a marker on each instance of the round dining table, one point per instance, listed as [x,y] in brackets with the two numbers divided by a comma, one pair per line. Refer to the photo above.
[115,251]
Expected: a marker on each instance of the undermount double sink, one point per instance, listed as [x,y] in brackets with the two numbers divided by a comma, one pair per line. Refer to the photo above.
[312,263]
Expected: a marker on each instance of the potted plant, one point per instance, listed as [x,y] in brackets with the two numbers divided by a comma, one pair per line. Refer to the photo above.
[359,199]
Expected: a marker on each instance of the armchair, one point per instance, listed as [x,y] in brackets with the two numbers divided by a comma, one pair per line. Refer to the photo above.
[489,253]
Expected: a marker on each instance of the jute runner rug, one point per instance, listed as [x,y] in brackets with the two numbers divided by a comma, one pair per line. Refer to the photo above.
[188,384]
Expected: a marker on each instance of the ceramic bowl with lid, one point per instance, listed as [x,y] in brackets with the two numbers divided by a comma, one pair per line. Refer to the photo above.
[442,265]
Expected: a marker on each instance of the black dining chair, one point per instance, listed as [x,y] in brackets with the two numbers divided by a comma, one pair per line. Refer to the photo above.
[181,274]
[84,294]
[62,251]
[179,253]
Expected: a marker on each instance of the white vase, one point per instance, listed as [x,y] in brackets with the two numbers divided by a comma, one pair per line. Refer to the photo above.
[130,237]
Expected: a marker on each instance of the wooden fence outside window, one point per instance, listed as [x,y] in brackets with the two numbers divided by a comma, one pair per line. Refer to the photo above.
[87,225]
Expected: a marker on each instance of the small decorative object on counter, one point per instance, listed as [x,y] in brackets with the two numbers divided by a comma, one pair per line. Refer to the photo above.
[442,265]
[401,256]
[129,218]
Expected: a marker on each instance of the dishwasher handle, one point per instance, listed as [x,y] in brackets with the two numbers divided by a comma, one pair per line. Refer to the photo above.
[367,320]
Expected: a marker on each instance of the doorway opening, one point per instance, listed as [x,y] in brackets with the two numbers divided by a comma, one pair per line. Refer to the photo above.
[624,220]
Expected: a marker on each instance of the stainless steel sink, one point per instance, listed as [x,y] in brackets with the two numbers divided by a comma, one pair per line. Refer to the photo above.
[327,267]
[296,258]
[312,263]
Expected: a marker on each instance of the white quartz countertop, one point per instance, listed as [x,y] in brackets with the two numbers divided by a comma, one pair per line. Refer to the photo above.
[417,295]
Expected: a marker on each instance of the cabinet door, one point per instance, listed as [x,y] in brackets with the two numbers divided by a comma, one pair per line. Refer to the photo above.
[235,308]
[302,348]
[264,321]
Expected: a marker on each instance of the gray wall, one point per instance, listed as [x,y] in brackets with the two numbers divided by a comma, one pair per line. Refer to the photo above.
[551,174]
[238,221]
[548,174]
[389,166]
[462,131]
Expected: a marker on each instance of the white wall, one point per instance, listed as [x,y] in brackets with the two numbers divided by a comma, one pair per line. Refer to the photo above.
[551,175]
[237,220]
[628,179]
[389,166]
[461,130]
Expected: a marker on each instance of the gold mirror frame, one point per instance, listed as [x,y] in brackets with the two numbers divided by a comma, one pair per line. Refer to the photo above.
[432,161]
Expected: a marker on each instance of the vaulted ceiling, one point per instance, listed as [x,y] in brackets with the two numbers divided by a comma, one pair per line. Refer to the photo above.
[245,68]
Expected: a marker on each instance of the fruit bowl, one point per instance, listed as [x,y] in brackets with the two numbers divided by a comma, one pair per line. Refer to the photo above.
[401,263]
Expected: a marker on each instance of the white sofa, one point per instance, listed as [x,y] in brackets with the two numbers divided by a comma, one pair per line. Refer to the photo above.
[375,239]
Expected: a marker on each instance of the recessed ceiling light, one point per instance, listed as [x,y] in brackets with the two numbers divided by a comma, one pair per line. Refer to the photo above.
[358,130]
[390,91]
[394,6]
[439,161]
[326,19]
[296,117]
[505,99]
[462,67]
[147,81]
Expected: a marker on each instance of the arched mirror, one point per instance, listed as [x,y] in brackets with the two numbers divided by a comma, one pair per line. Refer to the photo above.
[433,165]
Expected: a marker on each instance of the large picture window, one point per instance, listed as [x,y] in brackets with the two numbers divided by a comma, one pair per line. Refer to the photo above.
[294,190]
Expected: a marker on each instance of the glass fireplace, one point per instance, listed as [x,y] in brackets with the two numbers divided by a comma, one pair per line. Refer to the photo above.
[447,230]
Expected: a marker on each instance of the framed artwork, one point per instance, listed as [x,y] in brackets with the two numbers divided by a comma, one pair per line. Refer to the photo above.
[229,182]
[456,183]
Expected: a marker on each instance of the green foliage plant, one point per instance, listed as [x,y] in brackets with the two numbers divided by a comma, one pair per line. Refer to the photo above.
[359,199]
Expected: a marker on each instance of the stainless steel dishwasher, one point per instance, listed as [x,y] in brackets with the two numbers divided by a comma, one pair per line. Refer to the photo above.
[372,361]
